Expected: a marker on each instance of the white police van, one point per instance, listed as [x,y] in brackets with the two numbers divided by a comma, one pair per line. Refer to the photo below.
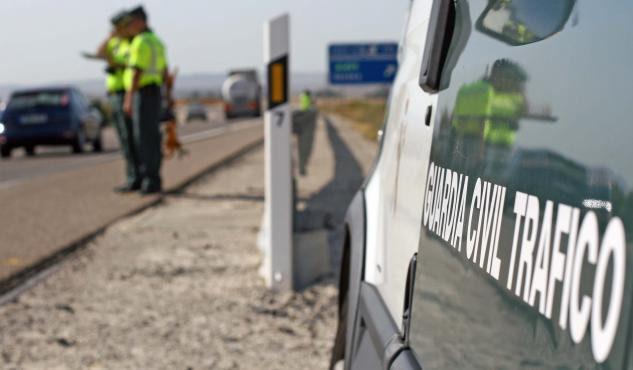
[495,229]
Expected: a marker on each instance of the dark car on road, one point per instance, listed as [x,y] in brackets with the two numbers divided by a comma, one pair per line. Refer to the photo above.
[49,116]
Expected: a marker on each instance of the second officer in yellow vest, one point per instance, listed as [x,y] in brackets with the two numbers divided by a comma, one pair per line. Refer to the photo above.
[143,79]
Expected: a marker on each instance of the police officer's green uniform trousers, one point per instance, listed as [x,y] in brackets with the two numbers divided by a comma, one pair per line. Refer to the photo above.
[146,119]
[148,55]
[118,49]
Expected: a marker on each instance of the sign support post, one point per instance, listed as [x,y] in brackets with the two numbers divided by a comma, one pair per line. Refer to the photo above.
[277,235]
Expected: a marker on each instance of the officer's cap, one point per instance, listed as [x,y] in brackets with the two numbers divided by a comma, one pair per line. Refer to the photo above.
[138,12]
[120,18]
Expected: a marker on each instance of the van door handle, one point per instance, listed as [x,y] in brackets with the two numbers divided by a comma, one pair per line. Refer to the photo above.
[438,40]
[449,30]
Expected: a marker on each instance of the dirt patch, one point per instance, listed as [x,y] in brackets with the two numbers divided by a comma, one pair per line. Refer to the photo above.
[367,115]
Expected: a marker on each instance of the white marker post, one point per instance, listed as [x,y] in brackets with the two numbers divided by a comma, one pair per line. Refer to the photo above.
[277,268]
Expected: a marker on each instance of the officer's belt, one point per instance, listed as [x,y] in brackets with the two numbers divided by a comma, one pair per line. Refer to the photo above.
[116,92]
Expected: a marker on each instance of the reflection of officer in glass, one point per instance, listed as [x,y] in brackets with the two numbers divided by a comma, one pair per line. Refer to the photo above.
[508,105]
[486,114]
[144,78]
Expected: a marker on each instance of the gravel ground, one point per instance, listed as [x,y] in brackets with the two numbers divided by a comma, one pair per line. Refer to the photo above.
[175,287]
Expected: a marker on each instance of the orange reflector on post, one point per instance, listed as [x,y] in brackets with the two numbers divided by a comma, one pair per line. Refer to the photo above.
[278,82]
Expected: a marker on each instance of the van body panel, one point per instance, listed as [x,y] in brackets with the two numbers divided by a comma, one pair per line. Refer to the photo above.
[525,243]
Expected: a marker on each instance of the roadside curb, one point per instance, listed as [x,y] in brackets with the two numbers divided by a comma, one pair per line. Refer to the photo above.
[19,282]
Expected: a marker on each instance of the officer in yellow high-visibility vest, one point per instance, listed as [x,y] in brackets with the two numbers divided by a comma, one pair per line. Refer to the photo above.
[305,100]
[115,50]
[143,79]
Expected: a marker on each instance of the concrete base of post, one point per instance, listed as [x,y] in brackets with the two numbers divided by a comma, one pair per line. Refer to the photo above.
[311,256]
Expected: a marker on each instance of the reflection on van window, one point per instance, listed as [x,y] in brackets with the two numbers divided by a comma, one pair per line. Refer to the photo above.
[478,137]
[520,22]
[486,116]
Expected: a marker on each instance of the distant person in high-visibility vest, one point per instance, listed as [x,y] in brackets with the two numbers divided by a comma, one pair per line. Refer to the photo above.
[115,50]
[305,100]
[144,77]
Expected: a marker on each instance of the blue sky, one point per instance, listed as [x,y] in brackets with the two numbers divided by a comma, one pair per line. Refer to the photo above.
[41,39]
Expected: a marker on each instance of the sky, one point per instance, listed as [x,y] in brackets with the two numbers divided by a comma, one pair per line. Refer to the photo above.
[41,39]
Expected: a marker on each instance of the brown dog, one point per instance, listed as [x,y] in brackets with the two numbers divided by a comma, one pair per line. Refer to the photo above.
[172,143]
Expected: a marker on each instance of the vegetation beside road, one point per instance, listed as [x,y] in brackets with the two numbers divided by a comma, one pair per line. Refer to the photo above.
[367,115]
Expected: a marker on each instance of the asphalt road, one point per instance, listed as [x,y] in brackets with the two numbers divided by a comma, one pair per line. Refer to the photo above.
[57,199]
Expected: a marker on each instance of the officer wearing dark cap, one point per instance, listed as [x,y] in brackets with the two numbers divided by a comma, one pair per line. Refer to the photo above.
[115,50]
[144,77]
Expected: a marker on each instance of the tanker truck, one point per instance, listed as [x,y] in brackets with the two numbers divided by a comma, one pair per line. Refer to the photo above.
[242,94]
